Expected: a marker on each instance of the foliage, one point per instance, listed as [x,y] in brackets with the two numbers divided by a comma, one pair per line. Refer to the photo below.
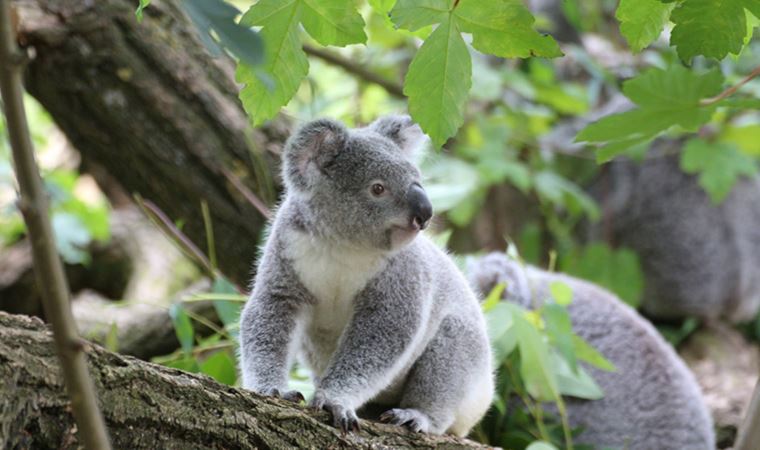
[78,217]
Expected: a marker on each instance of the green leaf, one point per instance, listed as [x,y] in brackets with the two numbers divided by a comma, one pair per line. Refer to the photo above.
[112,338]
[494,297]
[285,65]
[665,98]
[617,270]
[559,328]
[221,367]
[642,21]
[382,6]
[561,292]
[501,332]
[333,22]
[438,81]
[71,238]
[562,192]
[414,14]
[535,365]
[746,138]
[712,28]
[586,353]
[575,382]
[219,16]
[183,327]
[227,310]
[719,166]
[503,28]
[139,11]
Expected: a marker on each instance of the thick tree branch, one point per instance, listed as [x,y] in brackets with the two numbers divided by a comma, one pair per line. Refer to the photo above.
[147,406]
[749,433]
[146,102]
[48,267]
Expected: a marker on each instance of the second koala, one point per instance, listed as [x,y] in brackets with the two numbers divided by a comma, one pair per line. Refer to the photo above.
[348,286]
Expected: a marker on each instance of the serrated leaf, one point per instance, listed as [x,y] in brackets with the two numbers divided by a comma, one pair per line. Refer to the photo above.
[503,28]
[712,28]
[219,16]
[414,14]
[719,166]
[286,63]
[642,21]
[382,6]
[665,98]
[333,22]
[438,81]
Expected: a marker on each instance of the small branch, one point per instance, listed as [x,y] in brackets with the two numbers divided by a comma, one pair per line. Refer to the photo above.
[395,89]
[749,433]
[247,193]
[51,279]
[730,91]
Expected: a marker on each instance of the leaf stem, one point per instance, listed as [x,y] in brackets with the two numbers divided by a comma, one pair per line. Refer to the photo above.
[731,90]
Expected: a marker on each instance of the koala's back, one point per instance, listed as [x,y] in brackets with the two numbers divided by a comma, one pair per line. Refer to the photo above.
[651,401]
[698,258]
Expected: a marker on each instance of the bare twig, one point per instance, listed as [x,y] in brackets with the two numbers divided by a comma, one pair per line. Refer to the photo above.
[33,204]
[252,198]
[731,90]
[749,433]
[360,71]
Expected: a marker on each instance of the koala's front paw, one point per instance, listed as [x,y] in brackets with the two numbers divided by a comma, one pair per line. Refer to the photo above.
[291,396]
[343,417]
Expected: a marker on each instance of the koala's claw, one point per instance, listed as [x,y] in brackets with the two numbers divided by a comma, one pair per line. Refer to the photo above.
[343,418]
[291,396]
[410,418]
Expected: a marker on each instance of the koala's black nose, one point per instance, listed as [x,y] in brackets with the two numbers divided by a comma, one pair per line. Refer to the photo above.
[420,206]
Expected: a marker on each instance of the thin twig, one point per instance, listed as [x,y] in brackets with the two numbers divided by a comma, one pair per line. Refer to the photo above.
[731,90]
[247,193]
[48,269]
[184,243]
[395,89]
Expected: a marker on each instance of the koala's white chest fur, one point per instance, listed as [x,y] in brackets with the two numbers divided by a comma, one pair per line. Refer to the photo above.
[334,275]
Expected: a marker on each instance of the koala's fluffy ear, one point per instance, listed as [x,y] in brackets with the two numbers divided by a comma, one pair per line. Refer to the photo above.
[310,148]
[401,130]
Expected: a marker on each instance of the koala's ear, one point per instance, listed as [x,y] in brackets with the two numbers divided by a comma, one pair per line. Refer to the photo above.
[310,148]
[401,130]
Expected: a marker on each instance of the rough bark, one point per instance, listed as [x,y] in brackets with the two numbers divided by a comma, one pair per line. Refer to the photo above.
[147,102]
[147,406]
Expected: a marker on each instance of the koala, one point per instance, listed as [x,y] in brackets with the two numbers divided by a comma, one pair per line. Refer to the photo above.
[348,285]
[651,401]
[699,259]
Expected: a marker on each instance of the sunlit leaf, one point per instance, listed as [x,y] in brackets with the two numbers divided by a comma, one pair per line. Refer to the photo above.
[718,165]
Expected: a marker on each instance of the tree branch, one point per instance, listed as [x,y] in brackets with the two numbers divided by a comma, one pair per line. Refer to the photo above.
[148,406]
[731,90]
[395,89]
[48,267]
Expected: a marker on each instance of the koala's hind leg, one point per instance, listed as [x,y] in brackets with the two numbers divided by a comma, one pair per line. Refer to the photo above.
[449,388]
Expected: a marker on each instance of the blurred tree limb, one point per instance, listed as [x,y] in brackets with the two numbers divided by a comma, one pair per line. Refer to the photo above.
[149,406]
[34,206]
[146,102]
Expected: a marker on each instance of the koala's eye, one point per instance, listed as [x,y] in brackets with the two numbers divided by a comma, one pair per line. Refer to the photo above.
[378,189]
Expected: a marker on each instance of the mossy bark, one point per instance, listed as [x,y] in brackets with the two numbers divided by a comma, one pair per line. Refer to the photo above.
[148,103]
[147,406]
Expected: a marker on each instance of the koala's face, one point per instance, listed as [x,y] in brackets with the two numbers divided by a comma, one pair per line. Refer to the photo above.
[360,185]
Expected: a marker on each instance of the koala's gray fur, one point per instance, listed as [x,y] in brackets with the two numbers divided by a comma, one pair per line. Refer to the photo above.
[651,401]
[345,284]
[699,259]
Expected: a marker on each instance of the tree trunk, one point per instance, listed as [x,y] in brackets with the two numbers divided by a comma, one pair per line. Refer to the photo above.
[149,104]
[147,406]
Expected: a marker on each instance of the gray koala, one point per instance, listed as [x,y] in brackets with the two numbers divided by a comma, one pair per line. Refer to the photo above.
[651,401]
[698,258]
[348,285]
